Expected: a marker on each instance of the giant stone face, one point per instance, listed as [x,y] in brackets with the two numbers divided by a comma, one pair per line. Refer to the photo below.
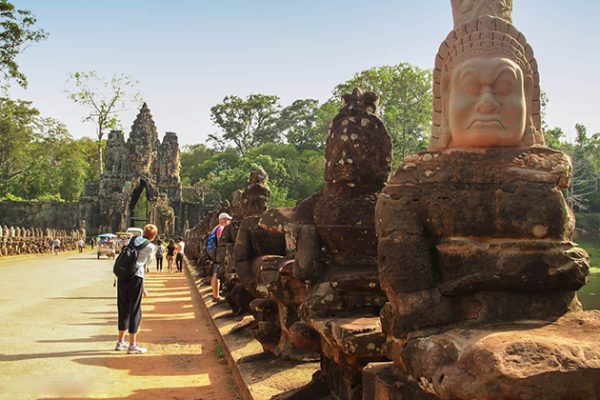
[487,103]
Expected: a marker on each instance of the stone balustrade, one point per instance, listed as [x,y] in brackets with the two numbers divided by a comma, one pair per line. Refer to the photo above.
[27,240]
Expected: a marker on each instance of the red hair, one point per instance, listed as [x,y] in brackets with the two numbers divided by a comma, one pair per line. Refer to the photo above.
[150,231]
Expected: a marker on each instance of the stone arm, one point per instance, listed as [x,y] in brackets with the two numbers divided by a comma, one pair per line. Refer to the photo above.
[308,265]
[243,253]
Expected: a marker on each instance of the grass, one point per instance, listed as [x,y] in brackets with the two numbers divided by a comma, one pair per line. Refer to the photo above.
[593,248]
[219,351]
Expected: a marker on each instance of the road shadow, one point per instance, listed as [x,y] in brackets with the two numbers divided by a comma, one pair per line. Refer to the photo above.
[205,392]
[91,339]
[35,356]
[81,298]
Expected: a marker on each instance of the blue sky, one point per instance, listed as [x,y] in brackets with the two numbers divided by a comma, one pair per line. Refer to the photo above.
[189,55]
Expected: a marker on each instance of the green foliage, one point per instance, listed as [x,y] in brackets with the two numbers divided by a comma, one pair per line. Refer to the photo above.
[585,157]
[299,124]
[246,123]
[406,103]
[38,157]
[293,174]
[18,120]
[17,31]
[192,157]
[588,224]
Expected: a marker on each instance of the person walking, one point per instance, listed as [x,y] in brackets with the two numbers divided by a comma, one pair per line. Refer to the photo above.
[180,254]
[80,245]
[160,250]
[56,246]
[129,293]
[170,255]
[224,220]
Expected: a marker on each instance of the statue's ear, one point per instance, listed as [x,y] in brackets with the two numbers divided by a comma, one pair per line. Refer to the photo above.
[528,84]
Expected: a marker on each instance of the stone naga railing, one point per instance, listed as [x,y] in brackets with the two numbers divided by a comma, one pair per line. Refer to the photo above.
[18,240]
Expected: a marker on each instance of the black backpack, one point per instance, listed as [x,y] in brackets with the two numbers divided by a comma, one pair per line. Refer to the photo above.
[124,267]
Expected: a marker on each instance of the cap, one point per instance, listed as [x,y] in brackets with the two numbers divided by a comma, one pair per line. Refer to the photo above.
[225,215]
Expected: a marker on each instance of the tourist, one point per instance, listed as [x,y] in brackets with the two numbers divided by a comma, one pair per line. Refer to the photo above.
[93,243]
[80,245]
[170,255]
[180,254]
[56,246]
[129,294]
[224,220]
[160,250]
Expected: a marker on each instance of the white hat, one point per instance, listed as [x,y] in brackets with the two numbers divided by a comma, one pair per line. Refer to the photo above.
[225,215]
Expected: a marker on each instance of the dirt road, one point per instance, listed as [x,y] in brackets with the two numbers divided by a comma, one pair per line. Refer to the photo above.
[57,336]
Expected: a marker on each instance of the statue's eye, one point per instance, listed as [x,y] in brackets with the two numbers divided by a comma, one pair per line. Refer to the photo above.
[504,84]
[472,87]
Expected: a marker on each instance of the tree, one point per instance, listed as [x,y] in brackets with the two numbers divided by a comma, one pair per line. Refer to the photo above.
[298,123]
[18,121]
[192,158]
[585,156]
[104,99]
[16,33]
[246,123]
[406,103]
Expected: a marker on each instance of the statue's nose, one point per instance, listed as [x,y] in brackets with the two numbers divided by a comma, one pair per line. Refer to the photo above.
[488,103]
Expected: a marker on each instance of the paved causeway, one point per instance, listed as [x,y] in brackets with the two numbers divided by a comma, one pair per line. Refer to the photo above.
[57,334]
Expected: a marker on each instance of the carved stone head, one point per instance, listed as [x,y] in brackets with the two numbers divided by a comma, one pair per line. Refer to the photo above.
[358,149]
[256,196]
[486,88]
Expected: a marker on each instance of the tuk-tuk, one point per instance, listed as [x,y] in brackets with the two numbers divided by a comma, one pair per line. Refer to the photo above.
[107,245]
[122,240]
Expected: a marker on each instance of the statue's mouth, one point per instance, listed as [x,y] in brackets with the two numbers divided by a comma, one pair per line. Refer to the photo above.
[486,123]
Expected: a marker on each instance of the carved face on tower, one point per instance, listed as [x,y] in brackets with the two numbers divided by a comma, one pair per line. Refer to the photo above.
[487,103]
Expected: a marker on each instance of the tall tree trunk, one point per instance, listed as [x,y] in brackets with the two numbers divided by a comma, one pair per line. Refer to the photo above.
[100,163]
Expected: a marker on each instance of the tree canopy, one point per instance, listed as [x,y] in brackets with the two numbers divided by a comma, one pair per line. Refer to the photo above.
[104,99]
[17,30]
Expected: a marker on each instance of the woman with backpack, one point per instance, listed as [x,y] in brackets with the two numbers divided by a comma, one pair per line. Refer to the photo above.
[129,268]
[160,250]
[171,248]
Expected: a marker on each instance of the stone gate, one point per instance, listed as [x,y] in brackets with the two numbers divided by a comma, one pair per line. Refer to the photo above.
[141,184]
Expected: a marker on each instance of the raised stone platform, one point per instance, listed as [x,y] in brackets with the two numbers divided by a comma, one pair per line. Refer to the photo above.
[256,380]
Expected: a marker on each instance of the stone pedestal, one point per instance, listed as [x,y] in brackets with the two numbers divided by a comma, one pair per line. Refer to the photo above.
[520,360]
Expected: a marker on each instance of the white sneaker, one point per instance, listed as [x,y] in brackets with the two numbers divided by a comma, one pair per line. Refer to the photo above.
[136,349]
[121,346]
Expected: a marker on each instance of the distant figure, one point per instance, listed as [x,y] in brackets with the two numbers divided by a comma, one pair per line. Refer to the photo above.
[170,255]
[56,246]
[224,220]
[160,250]
[129,293]
[93,243]
[80,245]
[180,254]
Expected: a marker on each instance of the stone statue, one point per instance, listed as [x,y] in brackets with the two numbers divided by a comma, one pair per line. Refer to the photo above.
[336,250]
[474,234]
[253,246]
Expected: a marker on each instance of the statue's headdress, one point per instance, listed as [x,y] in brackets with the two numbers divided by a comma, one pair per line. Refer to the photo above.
[482,28]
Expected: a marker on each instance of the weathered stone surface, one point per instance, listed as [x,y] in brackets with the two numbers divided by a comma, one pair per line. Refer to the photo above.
[384,381]
[522,360]
[474,227]
[336,247]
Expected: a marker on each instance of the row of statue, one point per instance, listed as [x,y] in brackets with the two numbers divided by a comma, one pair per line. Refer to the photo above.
[18,240]
[453,278]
